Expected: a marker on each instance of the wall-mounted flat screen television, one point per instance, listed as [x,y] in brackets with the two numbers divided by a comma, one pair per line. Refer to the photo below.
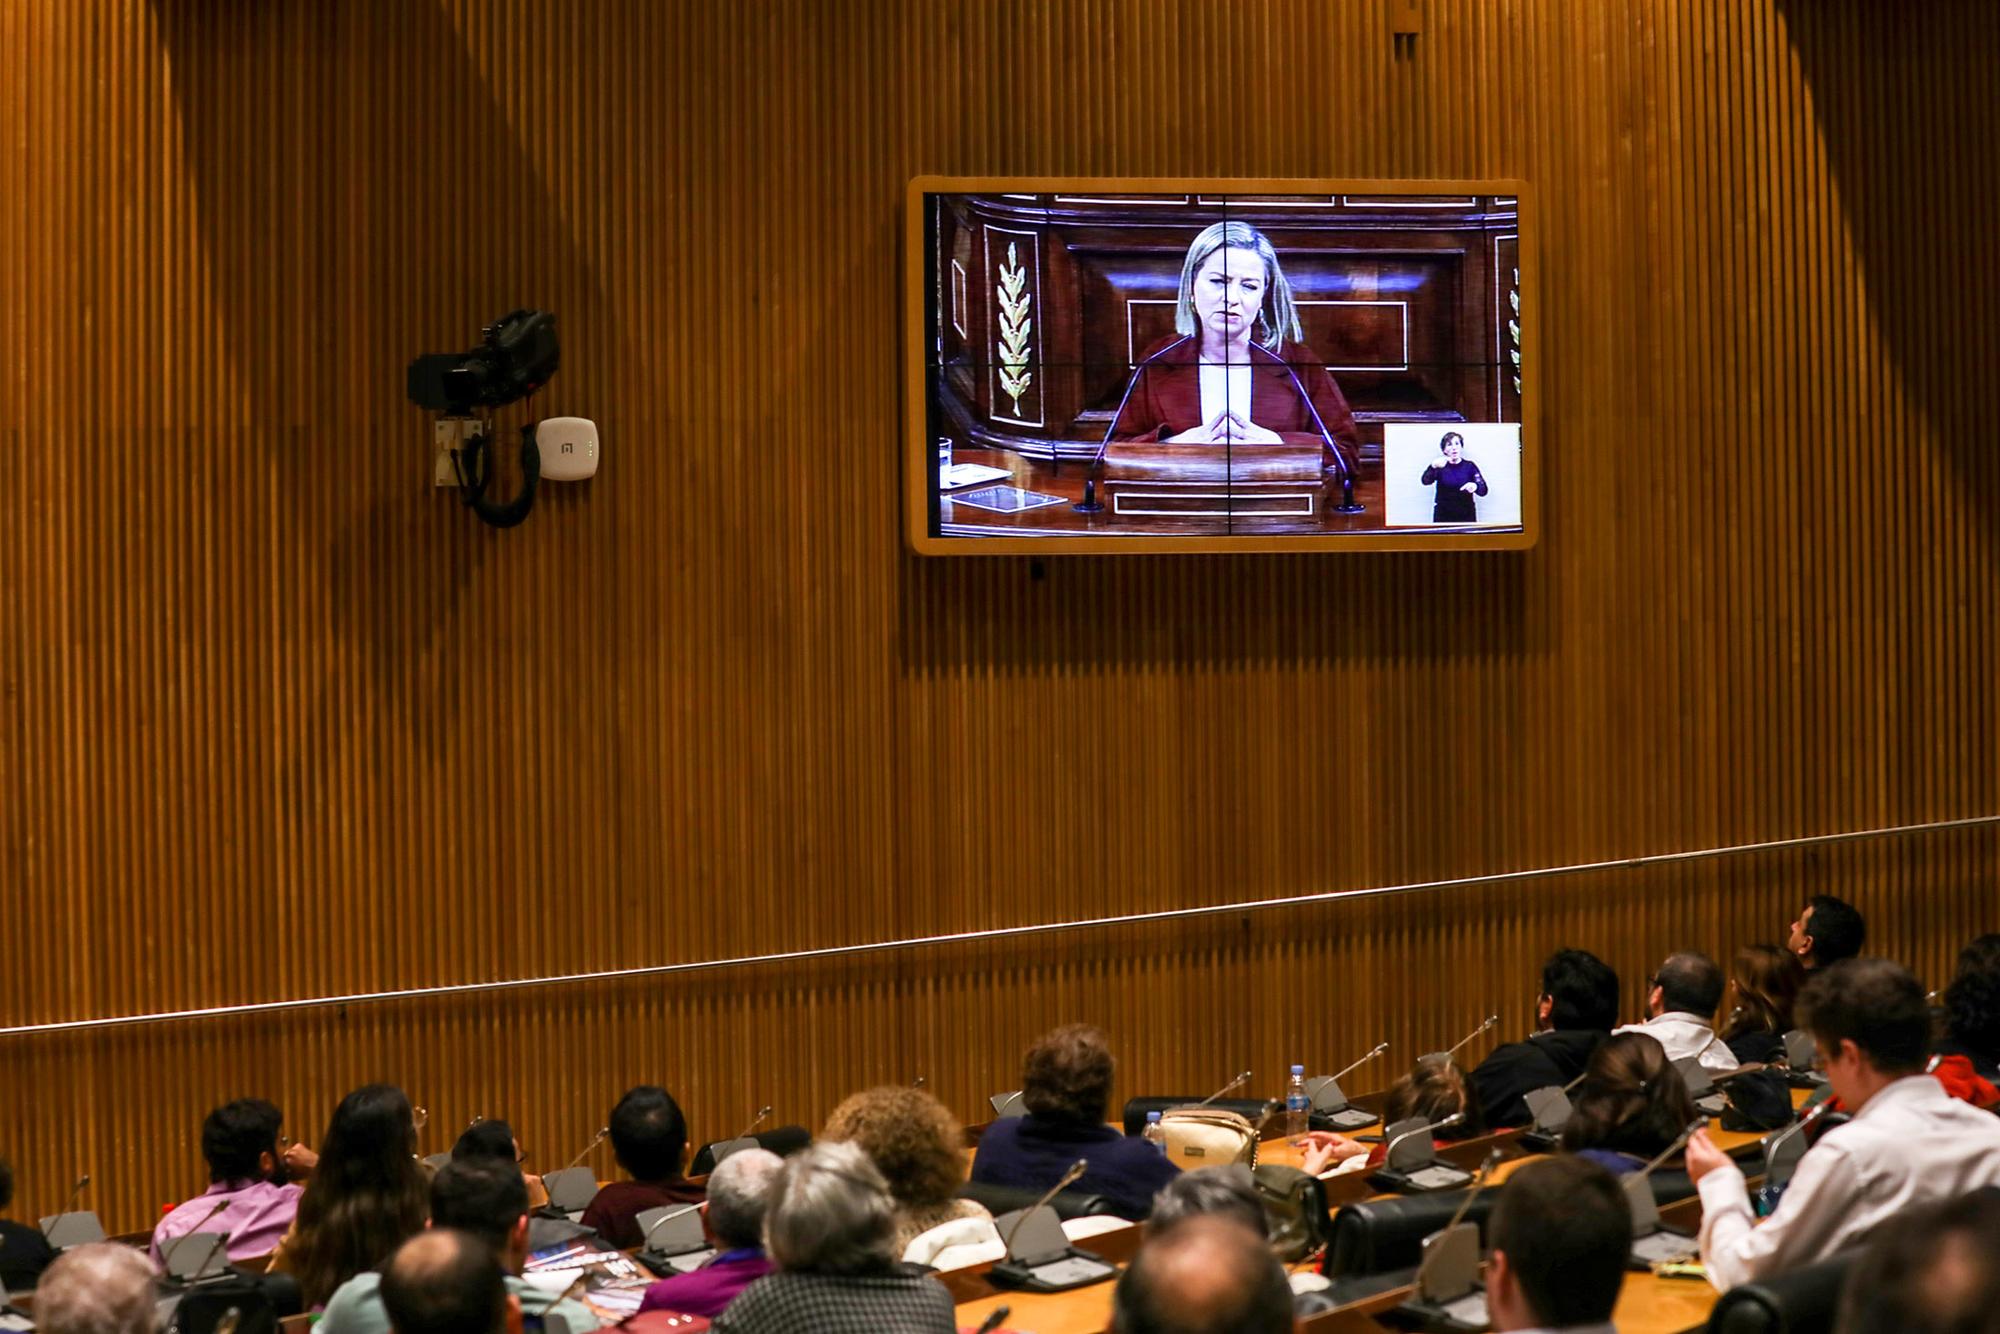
[1208,365]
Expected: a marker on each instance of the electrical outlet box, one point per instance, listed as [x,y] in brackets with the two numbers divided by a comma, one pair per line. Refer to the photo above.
[450,437]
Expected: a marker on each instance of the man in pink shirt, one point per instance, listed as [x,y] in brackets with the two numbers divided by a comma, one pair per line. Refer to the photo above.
[249,1198]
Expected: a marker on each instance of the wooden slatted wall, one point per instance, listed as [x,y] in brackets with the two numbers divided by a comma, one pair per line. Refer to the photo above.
[279,720]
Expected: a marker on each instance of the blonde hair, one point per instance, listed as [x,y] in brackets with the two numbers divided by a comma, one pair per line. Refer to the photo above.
[1277,319]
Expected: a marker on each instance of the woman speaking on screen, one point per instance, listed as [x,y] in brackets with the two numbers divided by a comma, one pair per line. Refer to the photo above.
[1237,373]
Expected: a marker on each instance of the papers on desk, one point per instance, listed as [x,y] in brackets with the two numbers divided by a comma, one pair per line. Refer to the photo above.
[1005,499]
[960,475]
[609,1282]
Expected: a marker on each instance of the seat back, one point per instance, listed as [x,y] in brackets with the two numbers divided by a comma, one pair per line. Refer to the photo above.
[1798,1301]
[781,1140]
[1068,1204]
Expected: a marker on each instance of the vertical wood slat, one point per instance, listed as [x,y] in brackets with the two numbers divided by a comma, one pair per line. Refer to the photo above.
[278,719]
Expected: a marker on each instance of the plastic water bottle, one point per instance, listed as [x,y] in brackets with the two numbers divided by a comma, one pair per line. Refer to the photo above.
[1156,1134]
[1298,1107]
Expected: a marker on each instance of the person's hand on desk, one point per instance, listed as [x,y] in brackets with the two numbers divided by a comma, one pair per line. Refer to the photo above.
[1703,1157]
[1323,1149]
[1227,427]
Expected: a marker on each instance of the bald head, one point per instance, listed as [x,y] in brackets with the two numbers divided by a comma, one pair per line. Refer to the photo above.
[1203,1275]
[102,1288]
[443,1281]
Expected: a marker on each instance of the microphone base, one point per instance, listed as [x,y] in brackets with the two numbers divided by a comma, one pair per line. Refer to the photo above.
[1074,1269]
[1467,1313]
[1421,1181]
[1351,507]
[1345,1120]
[1087,507]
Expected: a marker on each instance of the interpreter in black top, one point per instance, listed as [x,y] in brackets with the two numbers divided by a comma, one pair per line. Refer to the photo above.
[1457,479]
[1577,1010]
[24,1251]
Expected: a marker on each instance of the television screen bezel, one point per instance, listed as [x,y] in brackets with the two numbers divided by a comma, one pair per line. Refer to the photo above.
[919,460]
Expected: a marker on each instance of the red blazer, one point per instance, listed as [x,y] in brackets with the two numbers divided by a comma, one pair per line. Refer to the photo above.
[1163,398]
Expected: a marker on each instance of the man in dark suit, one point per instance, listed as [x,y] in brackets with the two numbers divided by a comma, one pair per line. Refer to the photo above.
[1576,1010]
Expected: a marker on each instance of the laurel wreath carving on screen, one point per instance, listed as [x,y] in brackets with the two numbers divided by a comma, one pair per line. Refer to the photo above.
[1014,326]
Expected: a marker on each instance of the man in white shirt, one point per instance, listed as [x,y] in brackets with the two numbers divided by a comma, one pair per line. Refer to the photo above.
[1686,990]
[1560,1236]
[1910,1144]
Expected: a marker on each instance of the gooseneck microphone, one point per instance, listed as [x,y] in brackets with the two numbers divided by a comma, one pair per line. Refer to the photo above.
[214,1247]
[1076,1169]
[1431,1129]
[1486,1166]
[916,1083]
[1089,505]
[1680,1142]
[1347,504]
[994,1320]
[646,1242]
[1235,1083]
[1450,1051]
[755,1121]
[74,1191]
[595,1140]
[1380,1047]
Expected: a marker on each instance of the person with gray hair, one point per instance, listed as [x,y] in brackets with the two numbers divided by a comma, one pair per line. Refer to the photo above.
[102,1288]
[830,1228]
[1219,1192]
[734,1221]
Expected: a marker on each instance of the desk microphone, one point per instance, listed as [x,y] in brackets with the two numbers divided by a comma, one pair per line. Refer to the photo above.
[1076,1169]
[1491,1020]
[1680,1142]
[1347,503]
[1486,1166]
[646,1242]
[1089,505]
[221,1240]
[595,1140]
[74,1191]
[916,1083]
[994,1320]
[756,1121]
[1380,1047]
[1235,1083]
[1431,1129]
[1574,1082]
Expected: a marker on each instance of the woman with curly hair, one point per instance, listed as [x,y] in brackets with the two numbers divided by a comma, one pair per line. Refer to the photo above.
[1066,1087]
[1972,1009]
[1631,1105]
[367,1195]
[919,1148]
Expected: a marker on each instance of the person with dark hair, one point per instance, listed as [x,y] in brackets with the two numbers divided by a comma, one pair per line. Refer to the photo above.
[1909,1144]
[1576,1010]
[493,1139]
[1204,1275]
[1682,1001]
[649,1137]
[483,1198]
[1066,1087]
[918,1146]
[1218,1192]
[24,1251]
[445,1282]
[738,1191]
[1764,984]
[1631,1105]
[1458,481]
[1828,931]
[249,1197]
[1972,1009]
[1433,1089]
[366,1196]
[1937,1272]
[1559,1236]
[829,1224]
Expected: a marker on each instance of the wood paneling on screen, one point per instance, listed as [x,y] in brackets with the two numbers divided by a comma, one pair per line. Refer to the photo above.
[279,720]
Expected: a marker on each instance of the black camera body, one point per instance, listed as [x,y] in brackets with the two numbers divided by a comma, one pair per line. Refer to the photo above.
[517,354]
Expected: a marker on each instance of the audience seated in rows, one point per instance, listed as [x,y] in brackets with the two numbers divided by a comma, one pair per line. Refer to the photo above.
[1972,1009]
[1909,1144]
[918,1147]
[1066,1087]
[1827,932]
[733,1218]
[831,1230]
[448,1282]
[1631,1105]
[1559,1237]
[1764,984]
[1576,1010]
[1681,1001]
[1434,1089]
[1203,1275]
[482,1198]
[366,1196]
[24,1251]
[249,1197]
[102,1288]
[1936,1272]
[650,1140]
